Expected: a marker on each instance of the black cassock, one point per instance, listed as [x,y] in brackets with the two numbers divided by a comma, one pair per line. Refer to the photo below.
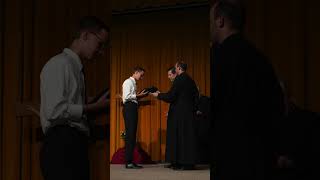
[203,129]
[181,133]
[247,106]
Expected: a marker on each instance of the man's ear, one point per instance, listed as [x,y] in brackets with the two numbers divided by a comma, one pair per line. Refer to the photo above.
[84,35]
[221,21]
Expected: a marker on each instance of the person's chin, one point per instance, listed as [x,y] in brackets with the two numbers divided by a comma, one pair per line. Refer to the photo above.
[90,58]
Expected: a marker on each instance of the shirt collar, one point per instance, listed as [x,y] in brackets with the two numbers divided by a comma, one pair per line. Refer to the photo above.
[133,80]
[74,56]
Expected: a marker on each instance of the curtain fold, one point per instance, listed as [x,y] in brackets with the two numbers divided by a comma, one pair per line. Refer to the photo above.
[156,41]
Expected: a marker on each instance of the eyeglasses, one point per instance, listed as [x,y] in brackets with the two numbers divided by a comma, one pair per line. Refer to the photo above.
[102,44]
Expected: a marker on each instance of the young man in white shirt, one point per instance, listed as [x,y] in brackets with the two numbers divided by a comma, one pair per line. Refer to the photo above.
[64,108]
[130,113]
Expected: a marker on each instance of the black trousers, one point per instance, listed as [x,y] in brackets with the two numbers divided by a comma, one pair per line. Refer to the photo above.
[130,114]
[64,154]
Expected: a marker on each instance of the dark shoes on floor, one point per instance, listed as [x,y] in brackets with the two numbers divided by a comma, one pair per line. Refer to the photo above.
[133,166]
[168,166]
[186,167]
[172,166]
[180,166]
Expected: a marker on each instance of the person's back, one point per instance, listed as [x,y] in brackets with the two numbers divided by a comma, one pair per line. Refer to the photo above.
[247,75]
[187,91]
[247,101]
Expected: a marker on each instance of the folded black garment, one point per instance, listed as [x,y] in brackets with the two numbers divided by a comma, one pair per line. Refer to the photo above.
[151,89]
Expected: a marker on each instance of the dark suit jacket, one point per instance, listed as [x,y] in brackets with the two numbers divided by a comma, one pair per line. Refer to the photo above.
[247,105]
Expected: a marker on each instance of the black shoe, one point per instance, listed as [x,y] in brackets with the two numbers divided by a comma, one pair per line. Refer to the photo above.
[133,166]
[186,167]
[171,165]
[176,166]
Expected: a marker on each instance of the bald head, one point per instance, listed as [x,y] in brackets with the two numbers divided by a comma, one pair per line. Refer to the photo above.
[226,17]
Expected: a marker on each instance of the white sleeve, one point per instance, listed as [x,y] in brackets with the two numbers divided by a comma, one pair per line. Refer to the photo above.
[54,94]
[127,89]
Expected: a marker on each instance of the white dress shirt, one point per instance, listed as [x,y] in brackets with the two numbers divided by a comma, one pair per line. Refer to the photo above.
[62,90]
[129,90]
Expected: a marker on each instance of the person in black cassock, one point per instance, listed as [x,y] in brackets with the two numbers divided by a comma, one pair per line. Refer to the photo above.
[182,97]
[170,122]
[203,119]
[247,100]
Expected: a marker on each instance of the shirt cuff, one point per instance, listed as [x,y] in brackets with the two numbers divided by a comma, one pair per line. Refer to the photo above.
[76,110]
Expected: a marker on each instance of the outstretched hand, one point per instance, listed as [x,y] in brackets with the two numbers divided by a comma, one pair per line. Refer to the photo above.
[156,94]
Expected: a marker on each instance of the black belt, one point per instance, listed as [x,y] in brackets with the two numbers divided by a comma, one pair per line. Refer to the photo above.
[130,102]
[51,129]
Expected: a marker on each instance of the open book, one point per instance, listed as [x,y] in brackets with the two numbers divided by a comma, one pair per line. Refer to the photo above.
[151,89]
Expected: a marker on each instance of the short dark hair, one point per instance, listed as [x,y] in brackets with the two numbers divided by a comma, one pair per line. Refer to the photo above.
[90,23]
[138,69]
[172,69]
[182,65]
[234,12]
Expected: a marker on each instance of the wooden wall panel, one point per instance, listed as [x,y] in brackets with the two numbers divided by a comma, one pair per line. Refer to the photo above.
[312,55]
[156,40]
[33,31]
[284,43]
[1,81]
[12,57]
[26,87]
[42,39]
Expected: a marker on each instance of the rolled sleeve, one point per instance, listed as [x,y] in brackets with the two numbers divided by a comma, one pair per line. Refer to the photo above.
[134,96]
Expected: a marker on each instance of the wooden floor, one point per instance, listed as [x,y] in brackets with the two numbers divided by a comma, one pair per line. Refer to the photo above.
[157,172]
